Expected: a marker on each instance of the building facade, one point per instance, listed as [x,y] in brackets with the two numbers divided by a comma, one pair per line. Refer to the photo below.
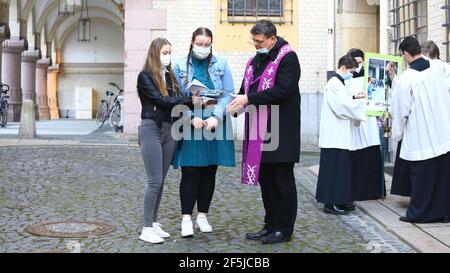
[42,58]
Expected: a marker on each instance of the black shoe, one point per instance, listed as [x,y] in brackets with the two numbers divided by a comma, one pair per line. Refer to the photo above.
[347,207]
[334,209]
[404,219]
[258,235]
[446,219]
[276,237]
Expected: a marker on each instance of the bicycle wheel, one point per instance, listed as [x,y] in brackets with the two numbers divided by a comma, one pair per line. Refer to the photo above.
[102,115]
[115,117]
[4,114]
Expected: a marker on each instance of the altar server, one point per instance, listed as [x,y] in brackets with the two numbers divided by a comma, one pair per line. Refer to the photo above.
[340,111]
[421,119]
[368,181]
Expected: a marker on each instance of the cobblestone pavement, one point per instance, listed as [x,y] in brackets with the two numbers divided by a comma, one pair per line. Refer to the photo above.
[107,184]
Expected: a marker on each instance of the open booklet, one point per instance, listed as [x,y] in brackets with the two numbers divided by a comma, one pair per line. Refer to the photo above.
[208,95]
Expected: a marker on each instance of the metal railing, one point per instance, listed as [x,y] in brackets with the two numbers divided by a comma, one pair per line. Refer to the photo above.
[447,27]
[410,19]
[251,11]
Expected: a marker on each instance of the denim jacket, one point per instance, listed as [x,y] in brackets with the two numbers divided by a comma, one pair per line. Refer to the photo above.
[220,74]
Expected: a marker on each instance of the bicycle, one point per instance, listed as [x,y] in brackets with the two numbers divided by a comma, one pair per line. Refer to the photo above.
[4,105]
[103,110]
[114,113]
[115,117]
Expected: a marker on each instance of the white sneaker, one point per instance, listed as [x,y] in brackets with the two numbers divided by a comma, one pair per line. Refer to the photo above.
[202,224]
[149,235]
[187,229]
[161,233]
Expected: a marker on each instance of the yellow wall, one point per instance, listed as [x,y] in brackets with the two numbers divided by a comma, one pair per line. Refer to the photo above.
[236,37]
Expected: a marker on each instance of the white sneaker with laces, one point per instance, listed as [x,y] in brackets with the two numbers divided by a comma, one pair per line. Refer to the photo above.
[149,235]
[159,231]
[187,229]
[202,224]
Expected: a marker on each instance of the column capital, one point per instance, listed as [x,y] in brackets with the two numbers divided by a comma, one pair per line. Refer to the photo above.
[31,56]
[43,63]
[13,46]
[53,69]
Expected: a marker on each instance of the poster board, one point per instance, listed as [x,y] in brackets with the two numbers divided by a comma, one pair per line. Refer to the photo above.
[376,80]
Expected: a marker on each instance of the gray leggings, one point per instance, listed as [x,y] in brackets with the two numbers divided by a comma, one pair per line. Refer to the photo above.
[157,147]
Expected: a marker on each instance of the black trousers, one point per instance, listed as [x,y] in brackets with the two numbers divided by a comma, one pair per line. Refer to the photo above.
[279,194]
[197,186]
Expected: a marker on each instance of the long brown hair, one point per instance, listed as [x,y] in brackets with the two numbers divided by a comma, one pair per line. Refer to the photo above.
[203,31]
[153,65]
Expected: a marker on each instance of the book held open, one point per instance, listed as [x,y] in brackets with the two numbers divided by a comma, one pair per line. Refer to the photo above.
[209,96]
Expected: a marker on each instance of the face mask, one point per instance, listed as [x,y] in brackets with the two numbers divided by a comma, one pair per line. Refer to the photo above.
[347,76]
[166,59]
[262,51]
[360,67]
[201,52]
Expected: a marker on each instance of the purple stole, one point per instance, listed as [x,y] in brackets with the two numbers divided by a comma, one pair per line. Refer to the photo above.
[254,137]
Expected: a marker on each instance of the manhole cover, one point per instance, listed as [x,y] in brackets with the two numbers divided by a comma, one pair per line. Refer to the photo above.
[70,229]
[50,251]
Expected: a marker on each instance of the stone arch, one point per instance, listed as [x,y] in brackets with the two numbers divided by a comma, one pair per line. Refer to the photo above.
[61,39]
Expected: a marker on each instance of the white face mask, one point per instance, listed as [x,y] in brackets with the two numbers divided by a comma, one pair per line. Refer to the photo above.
[360,67]
[263,51]
[201,53]
[166,59]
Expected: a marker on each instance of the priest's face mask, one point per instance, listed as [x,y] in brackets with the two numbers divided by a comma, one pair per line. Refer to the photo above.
[262,43]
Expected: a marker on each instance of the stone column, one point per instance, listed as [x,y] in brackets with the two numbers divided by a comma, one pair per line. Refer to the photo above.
[140,20]
[11,75]
[41,88]
[52,88]
[4,34]
[29,59]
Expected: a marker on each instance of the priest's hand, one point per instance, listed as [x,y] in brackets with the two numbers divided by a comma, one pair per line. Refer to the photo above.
[198,123]
[239,102]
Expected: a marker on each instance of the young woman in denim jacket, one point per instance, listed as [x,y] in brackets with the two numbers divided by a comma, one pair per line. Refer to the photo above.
[199,159]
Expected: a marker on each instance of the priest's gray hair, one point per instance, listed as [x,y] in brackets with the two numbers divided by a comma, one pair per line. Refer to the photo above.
[265,27]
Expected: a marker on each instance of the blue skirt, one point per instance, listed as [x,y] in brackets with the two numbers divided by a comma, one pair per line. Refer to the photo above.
[201,150]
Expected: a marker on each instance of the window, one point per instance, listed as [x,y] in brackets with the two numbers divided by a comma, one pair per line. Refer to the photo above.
[255,8]
[447,26]
[410,19]
[250,11]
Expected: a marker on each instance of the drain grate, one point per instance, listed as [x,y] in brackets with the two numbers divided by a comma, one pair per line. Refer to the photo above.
[72,229]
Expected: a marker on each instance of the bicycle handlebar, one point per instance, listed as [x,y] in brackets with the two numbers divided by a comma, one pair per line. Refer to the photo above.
[116,86]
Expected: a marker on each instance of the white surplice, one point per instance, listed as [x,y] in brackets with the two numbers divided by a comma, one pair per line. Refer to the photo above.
[421,112]
[339,113]
[366,133]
